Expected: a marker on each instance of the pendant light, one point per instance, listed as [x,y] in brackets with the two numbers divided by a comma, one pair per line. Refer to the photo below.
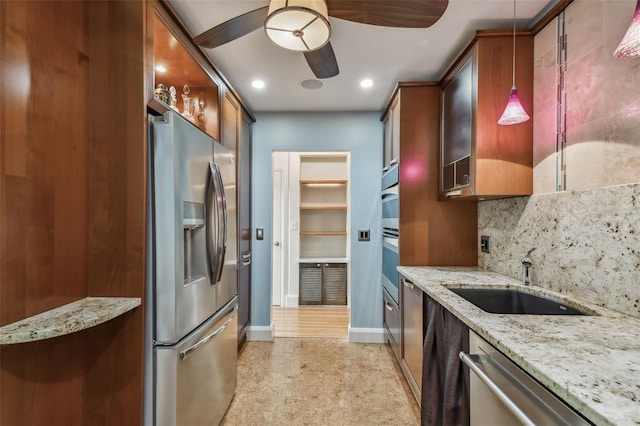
[514,112]
[300,25]
[630,45]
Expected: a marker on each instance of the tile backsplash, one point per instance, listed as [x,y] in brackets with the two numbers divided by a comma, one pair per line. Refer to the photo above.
[587,242]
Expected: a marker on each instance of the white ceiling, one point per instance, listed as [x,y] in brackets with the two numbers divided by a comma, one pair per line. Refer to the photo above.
[385,55]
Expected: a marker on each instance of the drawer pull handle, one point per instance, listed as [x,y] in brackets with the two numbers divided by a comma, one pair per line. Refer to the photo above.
[388,306]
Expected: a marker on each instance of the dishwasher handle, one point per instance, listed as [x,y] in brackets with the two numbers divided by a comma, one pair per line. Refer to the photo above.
[185,354]
[408,283]
[471,361]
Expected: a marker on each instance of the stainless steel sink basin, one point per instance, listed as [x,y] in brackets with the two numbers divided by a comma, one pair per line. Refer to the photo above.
[507,301]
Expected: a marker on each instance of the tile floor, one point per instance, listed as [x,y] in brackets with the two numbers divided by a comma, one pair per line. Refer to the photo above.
[319,381]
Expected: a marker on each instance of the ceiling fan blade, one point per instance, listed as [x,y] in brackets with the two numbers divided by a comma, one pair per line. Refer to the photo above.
[322,62]
[232,29]
[385,13]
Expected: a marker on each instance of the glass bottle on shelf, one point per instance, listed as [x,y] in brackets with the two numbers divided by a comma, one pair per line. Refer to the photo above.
[188,105]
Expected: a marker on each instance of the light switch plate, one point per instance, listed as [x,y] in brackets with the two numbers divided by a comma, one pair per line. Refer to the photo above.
[484,244]
[259,233]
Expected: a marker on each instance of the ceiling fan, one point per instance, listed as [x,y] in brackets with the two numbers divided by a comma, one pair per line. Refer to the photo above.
[303,25]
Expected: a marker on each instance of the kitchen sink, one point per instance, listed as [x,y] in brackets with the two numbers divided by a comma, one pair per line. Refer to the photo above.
[508,301]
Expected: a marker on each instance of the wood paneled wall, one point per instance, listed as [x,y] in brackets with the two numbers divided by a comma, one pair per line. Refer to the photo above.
[72,218]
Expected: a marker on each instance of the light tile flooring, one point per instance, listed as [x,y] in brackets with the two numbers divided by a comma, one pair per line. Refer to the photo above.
[319,381]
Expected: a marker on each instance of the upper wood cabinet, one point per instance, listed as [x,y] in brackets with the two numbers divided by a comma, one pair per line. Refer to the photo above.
[431,232]
[391,144]
[178,65]
[479,157]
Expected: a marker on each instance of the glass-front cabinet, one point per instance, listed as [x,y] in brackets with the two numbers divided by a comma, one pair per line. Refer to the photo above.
[480,158]
[457,98]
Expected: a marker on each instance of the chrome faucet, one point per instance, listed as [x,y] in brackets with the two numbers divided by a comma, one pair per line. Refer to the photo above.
[527,263]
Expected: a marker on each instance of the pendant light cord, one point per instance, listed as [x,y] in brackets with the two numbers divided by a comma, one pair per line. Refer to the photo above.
[513,68]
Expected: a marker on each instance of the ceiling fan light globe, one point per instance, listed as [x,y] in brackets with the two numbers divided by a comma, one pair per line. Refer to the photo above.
[300,25]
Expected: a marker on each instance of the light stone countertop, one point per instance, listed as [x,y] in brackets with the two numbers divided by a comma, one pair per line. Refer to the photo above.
[67,319]
[591,362]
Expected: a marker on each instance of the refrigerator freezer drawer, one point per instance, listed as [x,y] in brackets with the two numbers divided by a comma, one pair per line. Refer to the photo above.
[196,378]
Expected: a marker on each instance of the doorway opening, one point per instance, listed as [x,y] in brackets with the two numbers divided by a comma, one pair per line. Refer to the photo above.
[311,243]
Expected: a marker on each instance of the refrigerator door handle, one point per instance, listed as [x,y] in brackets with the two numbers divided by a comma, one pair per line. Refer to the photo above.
[191,349]
[212,223]
[217,232]
[222,222]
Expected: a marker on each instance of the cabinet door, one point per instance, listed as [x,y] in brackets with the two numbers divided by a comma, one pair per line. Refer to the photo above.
[230,121]
[391,142]
[244,225]
[456,129]
[386,144]
[395,130]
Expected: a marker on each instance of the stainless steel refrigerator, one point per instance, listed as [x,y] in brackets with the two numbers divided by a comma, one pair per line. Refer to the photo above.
[191,324]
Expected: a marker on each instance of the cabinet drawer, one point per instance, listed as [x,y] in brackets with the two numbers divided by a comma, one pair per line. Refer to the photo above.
[391,317]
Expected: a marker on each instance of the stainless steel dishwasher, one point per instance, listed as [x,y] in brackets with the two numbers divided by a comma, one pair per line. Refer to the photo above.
[501,393]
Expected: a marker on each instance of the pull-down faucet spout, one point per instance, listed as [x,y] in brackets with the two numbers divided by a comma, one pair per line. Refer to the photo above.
[527,263]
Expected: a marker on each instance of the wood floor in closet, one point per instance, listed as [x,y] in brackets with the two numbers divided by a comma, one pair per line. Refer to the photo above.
[311,321]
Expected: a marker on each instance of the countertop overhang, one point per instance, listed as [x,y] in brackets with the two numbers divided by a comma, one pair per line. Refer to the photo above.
[591,362]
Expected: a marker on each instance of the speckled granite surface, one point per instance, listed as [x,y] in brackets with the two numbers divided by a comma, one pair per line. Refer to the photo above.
[588,242]
[591,362]
[67,319]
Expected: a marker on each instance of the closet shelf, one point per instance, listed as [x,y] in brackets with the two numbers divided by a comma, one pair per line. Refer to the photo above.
[323,181]
[323,233]
[67,319]
[323,207]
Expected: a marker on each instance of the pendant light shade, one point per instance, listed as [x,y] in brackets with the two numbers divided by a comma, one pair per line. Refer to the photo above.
[514,113]
[630,45]
[300,25]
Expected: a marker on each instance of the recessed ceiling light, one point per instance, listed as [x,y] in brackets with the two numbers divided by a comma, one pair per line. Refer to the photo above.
[311,84]
[366,83]
[258,84]
[161,68]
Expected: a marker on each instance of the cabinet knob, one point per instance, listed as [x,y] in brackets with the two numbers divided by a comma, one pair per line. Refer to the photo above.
[277,244]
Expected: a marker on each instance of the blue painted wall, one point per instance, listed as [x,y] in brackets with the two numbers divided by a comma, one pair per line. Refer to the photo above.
[358,132]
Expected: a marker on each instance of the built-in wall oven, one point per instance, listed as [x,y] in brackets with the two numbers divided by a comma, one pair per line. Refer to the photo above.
[390,231]
[390,258]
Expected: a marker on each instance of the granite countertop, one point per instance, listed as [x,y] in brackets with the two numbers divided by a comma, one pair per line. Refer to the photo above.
[67,319]
[591,362]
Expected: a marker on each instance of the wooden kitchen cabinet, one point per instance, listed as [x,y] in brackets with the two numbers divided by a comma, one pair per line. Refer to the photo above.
[432,233]
[479,157]
[391,140]
[235,135]
[177,64]
[244,225]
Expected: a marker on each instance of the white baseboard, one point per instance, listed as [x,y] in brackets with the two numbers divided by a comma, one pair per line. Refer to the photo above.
[366,335]
[291,300]
[260,333]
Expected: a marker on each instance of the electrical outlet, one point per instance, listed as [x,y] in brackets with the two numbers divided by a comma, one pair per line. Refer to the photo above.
[363,235]
[484,244]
